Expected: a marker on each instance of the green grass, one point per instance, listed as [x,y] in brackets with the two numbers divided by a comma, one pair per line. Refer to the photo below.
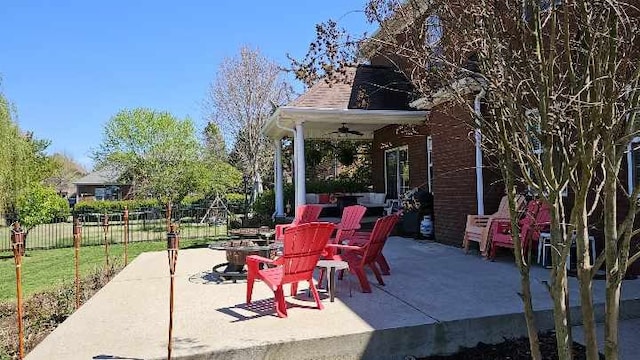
[61,234]
[44,269]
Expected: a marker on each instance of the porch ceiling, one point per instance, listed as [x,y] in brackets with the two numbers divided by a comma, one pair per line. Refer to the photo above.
[319,123]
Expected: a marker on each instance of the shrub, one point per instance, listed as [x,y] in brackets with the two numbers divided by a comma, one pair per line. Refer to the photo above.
[101,207]
[235,203]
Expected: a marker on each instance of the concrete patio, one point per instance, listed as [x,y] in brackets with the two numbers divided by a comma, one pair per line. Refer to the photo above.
[436,300]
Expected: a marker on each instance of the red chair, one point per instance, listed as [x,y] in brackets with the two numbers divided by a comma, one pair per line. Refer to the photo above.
[349,223]
[303,245]
[304,214]
[536,219]
[367,254]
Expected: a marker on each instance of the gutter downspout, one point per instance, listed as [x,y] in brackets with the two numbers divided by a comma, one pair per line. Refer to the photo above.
[478,137]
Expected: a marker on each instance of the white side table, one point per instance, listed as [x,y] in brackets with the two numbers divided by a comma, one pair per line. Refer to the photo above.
[331,266]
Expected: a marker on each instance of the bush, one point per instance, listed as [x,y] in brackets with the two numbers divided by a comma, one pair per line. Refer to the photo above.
[265,204]
[102,207]
[235,203]
[336,186]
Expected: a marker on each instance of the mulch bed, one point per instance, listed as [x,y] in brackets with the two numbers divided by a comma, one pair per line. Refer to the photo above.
[513,349]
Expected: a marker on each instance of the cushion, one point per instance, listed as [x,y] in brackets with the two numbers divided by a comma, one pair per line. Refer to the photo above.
[311,199]
[323,199]
[377,198]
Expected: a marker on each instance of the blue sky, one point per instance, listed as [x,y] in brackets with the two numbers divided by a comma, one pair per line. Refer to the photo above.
[68,66]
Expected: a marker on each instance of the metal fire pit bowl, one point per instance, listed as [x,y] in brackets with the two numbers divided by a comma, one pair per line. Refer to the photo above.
[237,252]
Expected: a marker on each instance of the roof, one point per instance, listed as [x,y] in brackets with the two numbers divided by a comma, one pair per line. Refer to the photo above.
[366,87]
[460,87]
[105,176]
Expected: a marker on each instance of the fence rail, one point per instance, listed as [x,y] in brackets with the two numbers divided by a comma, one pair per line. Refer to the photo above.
[144,225]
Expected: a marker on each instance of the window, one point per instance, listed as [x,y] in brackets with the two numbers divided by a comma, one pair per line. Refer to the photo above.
[430,164]
[396,170]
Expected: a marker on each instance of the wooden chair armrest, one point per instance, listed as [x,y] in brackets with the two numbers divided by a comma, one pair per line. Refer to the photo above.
[345,247]
[256,259]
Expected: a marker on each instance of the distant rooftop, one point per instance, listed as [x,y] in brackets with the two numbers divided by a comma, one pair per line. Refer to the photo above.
[106,176]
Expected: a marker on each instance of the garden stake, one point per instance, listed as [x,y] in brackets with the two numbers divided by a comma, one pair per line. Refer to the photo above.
[126,234]
[17,244]
[77,239]
[173,243]
[105,228]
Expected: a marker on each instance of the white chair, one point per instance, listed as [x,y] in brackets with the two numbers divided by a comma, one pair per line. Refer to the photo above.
[391,206]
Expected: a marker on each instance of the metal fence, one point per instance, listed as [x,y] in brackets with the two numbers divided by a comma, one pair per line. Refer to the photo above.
[149,224]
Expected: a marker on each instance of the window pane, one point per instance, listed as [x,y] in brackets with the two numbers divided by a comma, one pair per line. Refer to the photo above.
[391,174]
[404,170]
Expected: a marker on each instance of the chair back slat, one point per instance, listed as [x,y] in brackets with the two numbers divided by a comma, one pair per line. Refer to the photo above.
[306,214]
[350,222]
[381,231]
[303,245]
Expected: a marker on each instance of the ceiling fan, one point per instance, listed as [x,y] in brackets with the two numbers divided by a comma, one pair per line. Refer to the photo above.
[345,130]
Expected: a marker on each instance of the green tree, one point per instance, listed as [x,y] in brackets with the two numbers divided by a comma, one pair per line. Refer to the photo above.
[156,151]
[40,204]
[23,162]
[214,144]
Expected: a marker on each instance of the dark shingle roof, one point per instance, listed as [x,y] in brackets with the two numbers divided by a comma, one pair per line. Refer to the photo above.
[366,87]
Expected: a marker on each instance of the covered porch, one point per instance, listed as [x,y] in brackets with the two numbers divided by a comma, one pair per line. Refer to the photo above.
[358,109]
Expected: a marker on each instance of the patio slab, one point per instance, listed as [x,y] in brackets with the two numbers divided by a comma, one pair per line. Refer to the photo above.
[436,300]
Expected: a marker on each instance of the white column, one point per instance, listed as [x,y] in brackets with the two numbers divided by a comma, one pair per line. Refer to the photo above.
[278,178]
[478,136]
[300,165]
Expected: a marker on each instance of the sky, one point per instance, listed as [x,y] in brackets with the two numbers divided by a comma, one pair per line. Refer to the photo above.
[69,66]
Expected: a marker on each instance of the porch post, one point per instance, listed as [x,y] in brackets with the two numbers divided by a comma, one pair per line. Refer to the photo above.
[278,178]
[478,136]
[300,165]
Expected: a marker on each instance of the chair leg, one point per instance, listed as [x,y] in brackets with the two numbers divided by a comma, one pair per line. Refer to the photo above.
[465,244]
[384,265]
[316,296]
[362,277]
[294,288]
[321,277]
[281,305]
[376,272]
[250,281]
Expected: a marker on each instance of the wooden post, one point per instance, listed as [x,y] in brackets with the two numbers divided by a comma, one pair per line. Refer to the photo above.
[17,245]
[126,235]
[105,228]
[77,240]
[173,243]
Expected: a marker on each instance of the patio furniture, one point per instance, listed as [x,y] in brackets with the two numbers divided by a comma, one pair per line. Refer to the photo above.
[237,252]
[536,219]
[478,226]
[367,254]
[331,266]
[349,223]
[303,245]
[344,200]
[304,214]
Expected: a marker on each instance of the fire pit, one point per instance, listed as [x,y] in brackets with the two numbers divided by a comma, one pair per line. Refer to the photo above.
[237,252]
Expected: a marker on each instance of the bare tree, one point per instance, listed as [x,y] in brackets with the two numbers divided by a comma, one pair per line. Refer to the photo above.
[561,87]
[243,95]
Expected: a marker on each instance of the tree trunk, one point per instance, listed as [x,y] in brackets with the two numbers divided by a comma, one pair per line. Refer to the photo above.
[525,281]
[559,286]
[613,283]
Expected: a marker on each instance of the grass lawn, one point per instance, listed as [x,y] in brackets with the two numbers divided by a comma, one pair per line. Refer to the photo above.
[43,269]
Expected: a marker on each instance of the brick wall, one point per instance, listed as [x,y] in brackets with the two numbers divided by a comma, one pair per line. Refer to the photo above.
[386,138]
[454,182]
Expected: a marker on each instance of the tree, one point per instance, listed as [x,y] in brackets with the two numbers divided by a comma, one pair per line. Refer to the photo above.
[214,143]
[40,204]
[561,88]
[23,162]
[156,151]
[243,95]
[67,170]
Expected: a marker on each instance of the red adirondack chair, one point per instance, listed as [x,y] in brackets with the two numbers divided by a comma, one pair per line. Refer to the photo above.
[537,218]
[350,222]
[304,214]
[303,245]
[367,254]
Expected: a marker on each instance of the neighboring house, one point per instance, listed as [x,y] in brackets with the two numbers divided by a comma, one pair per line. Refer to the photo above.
[103,184]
